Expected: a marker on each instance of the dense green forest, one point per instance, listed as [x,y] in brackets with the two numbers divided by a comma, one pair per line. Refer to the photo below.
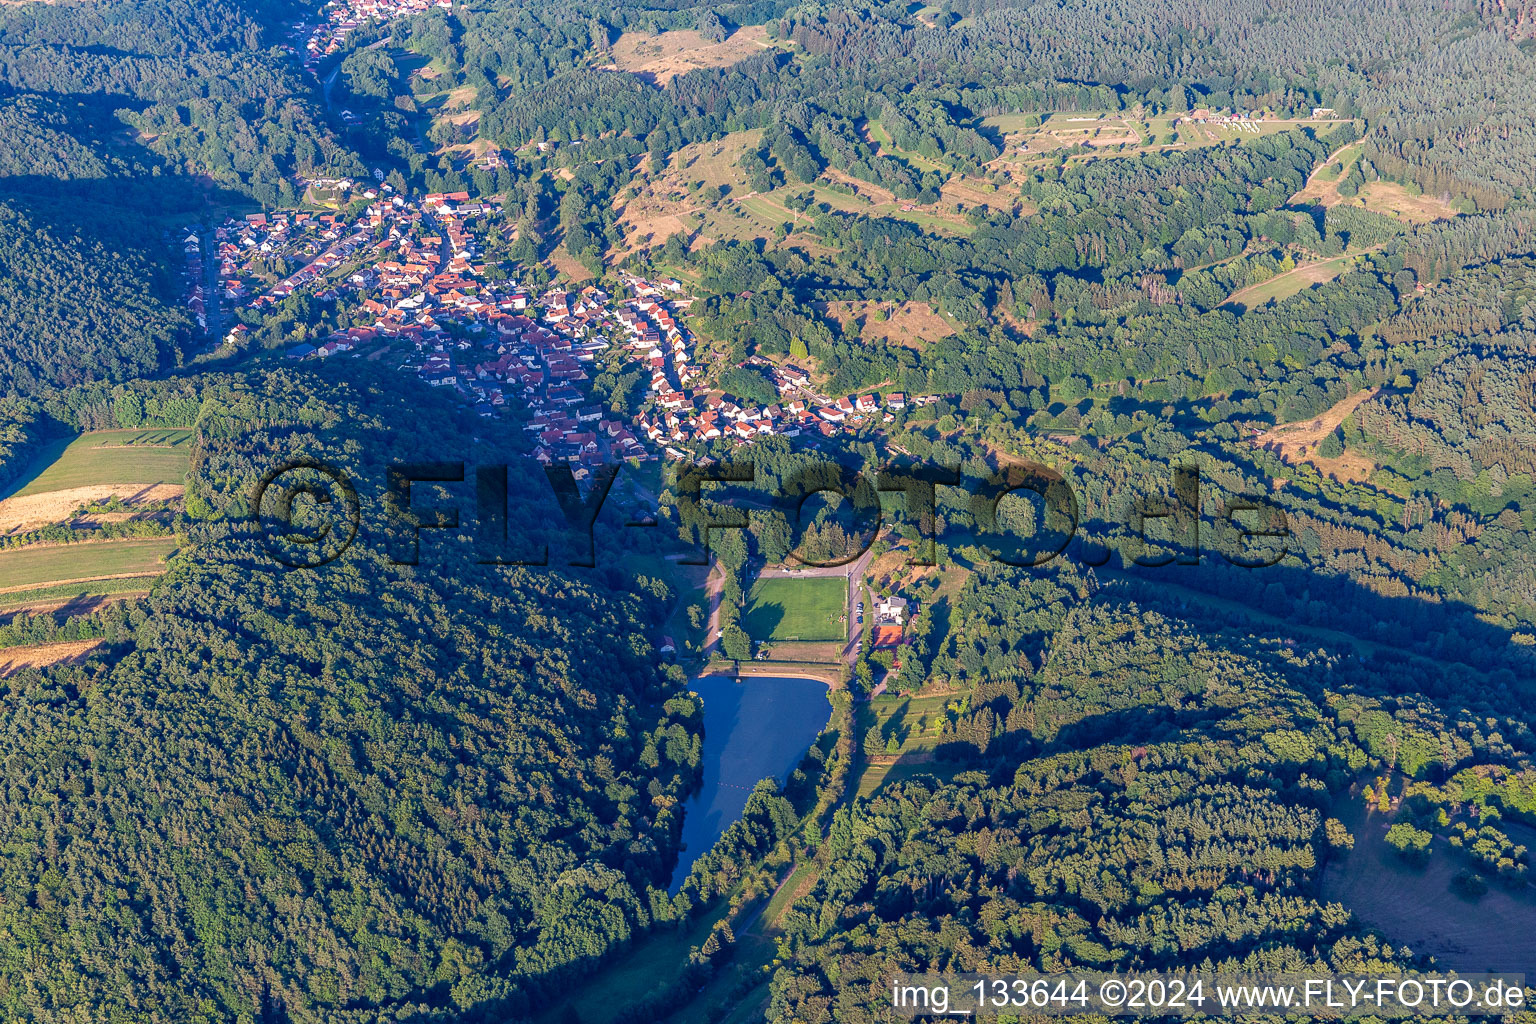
[366,794]
[451,792]
[122,123]
[72,309]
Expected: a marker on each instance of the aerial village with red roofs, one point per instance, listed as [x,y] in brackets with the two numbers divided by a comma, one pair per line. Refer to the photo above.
[343,17]
[412,273]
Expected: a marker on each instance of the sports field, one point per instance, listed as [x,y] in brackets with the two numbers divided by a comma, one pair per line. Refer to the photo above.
[114,457]
[61,563]
[789,609]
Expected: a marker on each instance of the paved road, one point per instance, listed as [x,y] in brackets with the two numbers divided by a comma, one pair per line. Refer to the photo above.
[212,312]
[856,593]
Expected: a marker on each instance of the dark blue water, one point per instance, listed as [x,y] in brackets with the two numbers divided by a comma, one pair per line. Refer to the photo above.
[752,729]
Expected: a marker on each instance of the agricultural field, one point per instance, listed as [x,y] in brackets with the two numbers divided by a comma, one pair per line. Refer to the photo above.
[660,58]
[113,457]
[60,564]
[137,466]
[13,659]
[74,598]
[784,608]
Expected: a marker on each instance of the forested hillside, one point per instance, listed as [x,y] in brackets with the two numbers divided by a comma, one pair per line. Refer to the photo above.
[121,122]
[202,84]
[1288,251]
[1172,813]
[365,794]
[74,306]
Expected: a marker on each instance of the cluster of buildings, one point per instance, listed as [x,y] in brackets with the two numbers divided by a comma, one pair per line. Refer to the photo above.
[1242,120]
[891,614]
[682,409]
[408,261]
[343,17]
[411,277]
[681,417]
[194,294]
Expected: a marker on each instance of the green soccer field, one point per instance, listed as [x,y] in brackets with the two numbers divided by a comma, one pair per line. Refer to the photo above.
[790,609]
[116,457]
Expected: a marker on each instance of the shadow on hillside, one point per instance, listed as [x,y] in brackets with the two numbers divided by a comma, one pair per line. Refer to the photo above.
[1334,612]
[1383,644]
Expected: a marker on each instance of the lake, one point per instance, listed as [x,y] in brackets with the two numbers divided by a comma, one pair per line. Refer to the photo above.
[752,729]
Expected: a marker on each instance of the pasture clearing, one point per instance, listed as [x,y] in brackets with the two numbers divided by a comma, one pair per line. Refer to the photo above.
[669,202]
[673,201]
[660,58]
[1415,906]
[568,265]
[967,192]
[858,196]
[915,723]
[1387,197]
[880,140]
[1027,138]
[652,963]
[884,770]
[1297,442]
[715,163]
[1292,282]
[796,609]
[1396,200]
[910,324]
